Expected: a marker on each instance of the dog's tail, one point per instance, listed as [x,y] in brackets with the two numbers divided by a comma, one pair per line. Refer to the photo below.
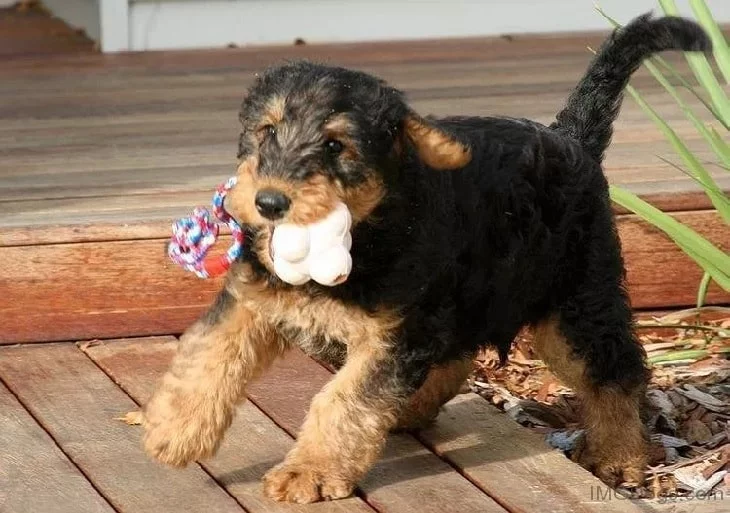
[594,104]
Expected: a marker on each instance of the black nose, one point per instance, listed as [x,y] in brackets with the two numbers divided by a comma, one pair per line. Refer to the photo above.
[271,203]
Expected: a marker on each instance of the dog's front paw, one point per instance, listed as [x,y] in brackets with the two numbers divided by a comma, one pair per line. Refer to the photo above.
[179,439]
[302,483]
[615,466]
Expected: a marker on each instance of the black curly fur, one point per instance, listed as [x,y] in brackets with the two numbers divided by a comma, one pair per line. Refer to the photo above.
[469,257]
[594,104]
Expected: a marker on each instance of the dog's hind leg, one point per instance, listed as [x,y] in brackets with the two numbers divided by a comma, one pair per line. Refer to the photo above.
[614,447]
[589,344]
[442,384]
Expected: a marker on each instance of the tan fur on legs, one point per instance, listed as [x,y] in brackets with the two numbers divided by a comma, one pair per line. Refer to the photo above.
[194,404]
[344,432]
[615,447]
[443,383]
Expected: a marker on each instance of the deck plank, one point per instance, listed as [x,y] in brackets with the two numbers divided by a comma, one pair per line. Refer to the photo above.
[77,404]
[98,153]
[35,476]
[252,445]
[136,131]
[517,465]
[130,288]
[409,478]
[523,475]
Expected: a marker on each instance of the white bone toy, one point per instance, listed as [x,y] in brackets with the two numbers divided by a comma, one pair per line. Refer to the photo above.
[319,251]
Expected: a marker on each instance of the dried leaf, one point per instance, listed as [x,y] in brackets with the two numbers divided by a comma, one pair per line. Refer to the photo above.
[704,399]
[133,418]
[691,476]
[716,440]
[549,387]
[669,441]
[715,467]
[711,483]
[87,344]
[671,455]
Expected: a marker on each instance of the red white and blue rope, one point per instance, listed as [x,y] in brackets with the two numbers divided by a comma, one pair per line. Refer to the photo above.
[192,237]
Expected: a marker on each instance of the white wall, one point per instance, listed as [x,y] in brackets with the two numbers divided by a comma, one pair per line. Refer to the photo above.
[170,24]
[179,24]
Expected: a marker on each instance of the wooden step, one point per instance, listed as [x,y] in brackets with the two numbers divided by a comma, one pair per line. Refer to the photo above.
[99,153]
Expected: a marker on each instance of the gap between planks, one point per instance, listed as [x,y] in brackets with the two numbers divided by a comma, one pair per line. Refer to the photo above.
[76,404]
[37,464]
[284,393]
[468,434]
[420,493]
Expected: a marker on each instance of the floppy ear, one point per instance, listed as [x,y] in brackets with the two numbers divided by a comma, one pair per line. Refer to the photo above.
[436,148]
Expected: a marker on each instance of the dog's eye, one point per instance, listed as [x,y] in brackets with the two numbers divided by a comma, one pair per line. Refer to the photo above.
[267,131]
[333,146]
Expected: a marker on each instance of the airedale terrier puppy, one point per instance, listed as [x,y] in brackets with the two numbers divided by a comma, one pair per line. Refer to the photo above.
[465,229]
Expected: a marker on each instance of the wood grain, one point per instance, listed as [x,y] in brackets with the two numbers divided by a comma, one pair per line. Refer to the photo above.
[129,288]
[253,443]
[105,290]
[107,140]
[407,478]
[410,478]
[659,274]
[99,153]
[35,476]
[78,405]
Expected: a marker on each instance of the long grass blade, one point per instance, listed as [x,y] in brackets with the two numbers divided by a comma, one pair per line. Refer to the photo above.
[723,148]
[712,259]
[690,160]
[716,189]
[703,72]
[715,143]
[719,45]
[717,275]
[702,289]
[689,87]
[661,61]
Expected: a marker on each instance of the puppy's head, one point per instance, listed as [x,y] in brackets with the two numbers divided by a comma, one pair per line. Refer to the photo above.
[314,135]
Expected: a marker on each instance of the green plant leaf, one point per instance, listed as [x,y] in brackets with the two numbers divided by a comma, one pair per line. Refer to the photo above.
[719,201]
[715,189]
[715,142]
[689,87]
[712,259]
[702,289]
[723,148]
[703,72]
[719,44]
[676,356]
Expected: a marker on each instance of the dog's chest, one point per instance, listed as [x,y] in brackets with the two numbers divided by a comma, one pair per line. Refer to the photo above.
[323,326]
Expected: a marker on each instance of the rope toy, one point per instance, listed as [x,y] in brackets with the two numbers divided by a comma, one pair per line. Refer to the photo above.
[193,236]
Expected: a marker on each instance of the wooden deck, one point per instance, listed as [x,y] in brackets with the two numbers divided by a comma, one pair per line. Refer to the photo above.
[98,153]
[65,451]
